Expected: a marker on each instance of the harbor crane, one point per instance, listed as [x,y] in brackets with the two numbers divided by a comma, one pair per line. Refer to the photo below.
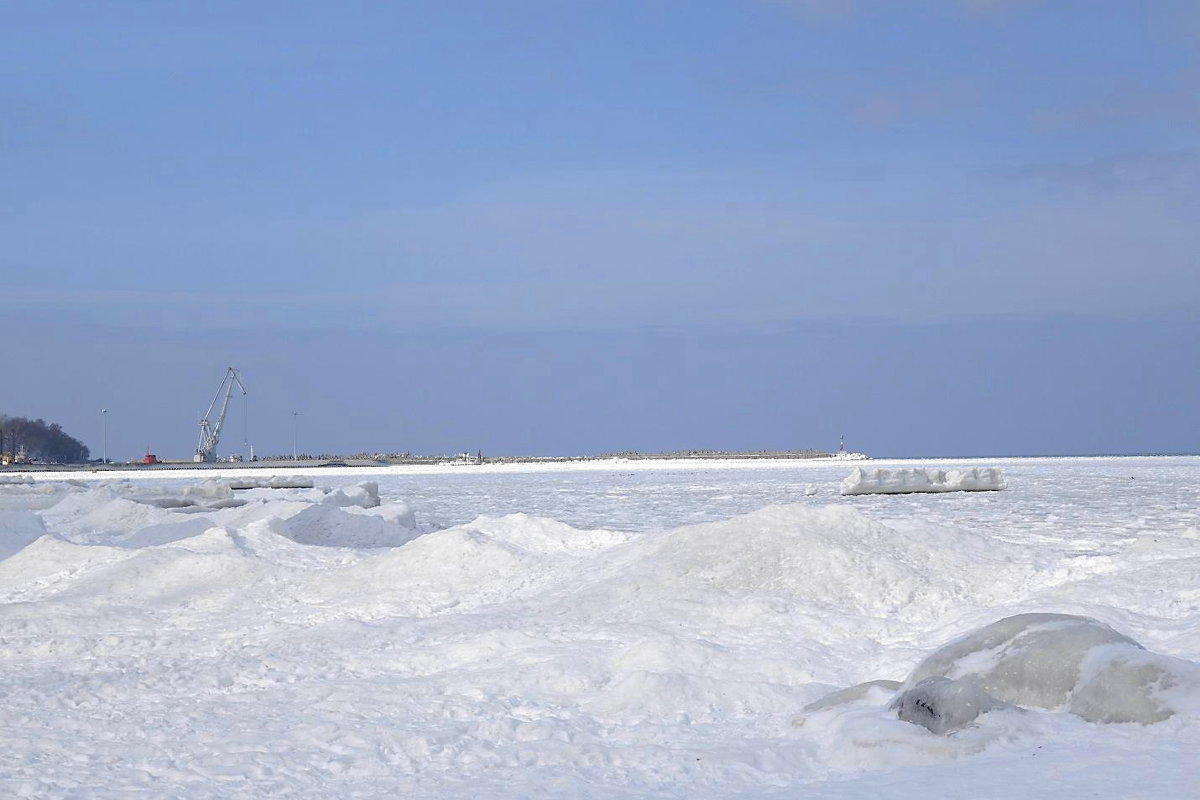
[210,433]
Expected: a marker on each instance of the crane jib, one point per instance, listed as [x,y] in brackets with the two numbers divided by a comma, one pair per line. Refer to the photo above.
[210,431]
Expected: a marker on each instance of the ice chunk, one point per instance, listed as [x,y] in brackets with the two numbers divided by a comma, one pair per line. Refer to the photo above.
[212,489]
[1061,661]
[15,480]
[272,482]
[902,481]
[396,512]
[331,526]
[1029,659]
[363,495]
[1119,684]
[943,705]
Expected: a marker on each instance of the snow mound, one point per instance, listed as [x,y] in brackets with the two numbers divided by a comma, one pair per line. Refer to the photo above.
[544,535]
[37,496]
[48,564]
[208,571]
[905,481]
[133,516]
[163,533]
[453,569]
[490,560]
[831,560]
[104,516]
[18,529]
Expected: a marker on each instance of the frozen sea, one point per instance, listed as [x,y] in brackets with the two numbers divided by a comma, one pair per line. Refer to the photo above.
[596,629]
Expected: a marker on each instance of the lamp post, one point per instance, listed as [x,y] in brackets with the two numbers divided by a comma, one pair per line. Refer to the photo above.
[295,416]
[104,446]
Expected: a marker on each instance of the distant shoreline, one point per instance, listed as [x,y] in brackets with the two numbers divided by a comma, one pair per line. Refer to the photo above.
[464,459]
[368,468]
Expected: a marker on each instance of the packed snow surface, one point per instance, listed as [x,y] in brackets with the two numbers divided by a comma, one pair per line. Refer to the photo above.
[907,481]
[687,629]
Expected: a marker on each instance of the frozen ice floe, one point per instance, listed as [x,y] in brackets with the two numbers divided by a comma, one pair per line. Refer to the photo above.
[904,481]
[320,642]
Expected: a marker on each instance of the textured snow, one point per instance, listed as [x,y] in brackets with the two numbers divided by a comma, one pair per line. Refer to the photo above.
[624,629]
[905,481]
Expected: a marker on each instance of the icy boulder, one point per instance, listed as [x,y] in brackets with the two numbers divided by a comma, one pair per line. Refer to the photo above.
[943,705]
[14,480]
[1053,662]
[363,495]
[207,495]
[1060,661]
[903,481]
[272,482]
[396,512]
[331,526]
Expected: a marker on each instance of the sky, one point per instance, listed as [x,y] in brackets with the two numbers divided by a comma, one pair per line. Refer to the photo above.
[938,228]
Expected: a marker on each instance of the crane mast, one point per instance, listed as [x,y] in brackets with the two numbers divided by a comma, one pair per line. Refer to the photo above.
[210,432]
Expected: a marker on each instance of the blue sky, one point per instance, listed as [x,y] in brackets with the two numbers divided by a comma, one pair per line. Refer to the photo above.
[949,227]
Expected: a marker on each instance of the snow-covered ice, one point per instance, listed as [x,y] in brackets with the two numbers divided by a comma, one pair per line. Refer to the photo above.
[613,629]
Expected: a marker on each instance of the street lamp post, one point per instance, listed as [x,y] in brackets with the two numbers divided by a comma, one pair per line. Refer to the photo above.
[104,446]
[295,416]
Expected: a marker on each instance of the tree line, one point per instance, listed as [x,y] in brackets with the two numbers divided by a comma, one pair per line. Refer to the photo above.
[41,440]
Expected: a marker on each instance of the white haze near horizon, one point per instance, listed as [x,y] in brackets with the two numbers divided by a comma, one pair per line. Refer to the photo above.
[607,629]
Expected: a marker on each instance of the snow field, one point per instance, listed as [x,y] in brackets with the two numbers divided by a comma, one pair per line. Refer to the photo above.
[181,639]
